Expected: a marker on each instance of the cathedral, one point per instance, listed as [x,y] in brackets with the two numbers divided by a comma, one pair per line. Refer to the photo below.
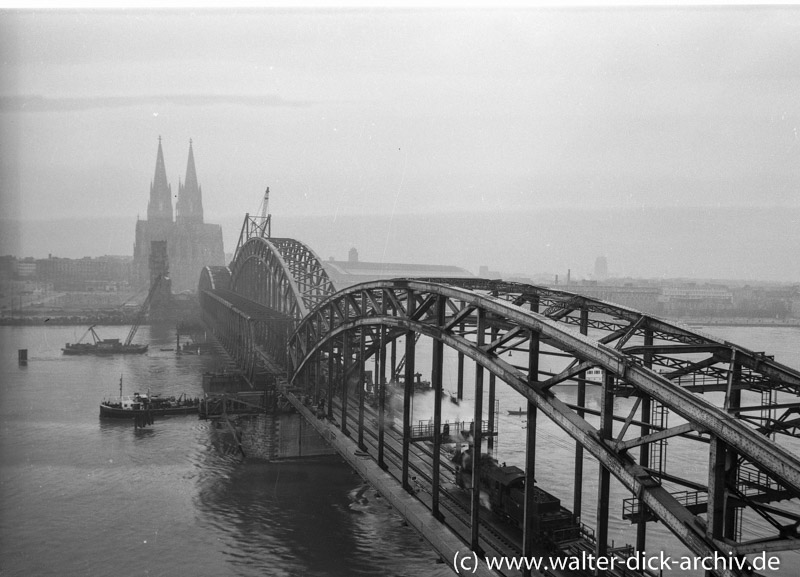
[191,244]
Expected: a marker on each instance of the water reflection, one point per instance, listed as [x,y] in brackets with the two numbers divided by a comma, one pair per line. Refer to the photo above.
[307,517]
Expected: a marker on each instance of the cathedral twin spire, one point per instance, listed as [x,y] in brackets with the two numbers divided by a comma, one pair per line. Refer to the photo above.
[159,209]
[189,208]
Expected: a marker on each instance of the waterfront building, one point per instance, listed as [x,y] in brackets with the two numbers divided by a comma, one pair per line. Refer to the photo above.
[354,271]
[693,300]
[642,298]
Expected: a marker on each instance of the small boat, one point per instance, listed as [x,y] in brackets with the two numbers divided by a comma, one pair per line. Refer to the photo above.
[139,404]
[519,411]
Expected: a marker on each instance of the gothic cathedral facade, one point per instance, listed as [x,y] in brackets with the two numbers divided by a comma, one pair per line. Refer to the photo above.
[191,243]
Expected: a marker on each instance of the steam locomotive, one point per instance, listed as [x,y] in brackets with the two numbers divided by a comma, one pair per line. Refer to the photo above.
[504,487]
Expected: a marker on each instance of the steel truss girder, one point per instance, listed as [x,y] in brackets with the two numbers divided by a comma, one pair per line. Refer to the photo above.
[621,317]
[306,267]
[758,372]
[259,273]
[214,277]
[770,458]
[253,335]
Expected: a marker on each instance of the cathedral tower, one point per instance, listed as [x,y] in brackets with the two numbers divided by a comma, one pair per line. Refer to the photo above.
[159,209]
[188,243]
[189,209]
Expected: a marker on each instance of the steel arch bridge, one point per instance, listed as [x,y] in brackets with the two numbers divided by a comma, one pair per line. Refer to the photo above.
[654,361]
[731,399]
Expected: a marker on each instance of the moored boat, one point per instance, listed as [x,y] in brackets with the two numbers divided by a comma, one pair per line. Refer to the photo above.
[129,406]
[102,346]
[145,405]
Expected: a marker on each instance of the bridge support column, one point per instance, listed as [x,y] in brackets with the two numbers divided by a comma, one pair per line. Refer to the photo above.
[344,393]
[460,381]
[318,380]
[604,482]
[475,497]
[436,382]
[381,355]
[528,530]
[490,410]
[408,392]
[733,402]
[362,356]
[331,379]
[393,376]
[491,401]
[577,495]
[718,452]
[644,450]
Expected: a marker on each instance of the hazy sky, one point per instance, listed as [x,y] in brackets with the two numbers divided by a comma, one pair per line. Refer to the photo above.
[645,134]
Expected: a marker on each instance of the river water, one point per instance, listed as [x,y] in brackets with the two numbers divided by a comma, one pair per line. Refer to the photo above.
[83,497]
[80,496]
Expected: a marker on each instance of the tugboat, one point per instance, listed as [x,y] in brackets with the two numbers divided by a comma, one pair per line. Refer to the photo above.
[148,406]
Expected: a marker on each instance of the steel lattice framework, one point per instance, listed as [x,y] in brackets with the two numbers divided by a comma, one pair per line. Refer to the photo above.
[281,274]
[306,269]
[706,382]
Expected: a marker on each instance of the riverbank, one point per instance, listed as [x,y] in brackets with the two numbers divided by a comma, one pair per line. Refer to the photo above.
[740,322]
[95,319]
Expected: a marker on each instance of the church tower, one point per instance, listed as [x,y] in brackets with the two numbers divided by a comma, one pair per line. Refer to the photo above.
[159,209]
[188,243]
[189,209]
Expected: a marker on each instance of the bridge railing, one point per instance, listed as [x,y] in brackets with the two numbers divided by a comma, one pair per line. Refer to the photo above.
[423,430]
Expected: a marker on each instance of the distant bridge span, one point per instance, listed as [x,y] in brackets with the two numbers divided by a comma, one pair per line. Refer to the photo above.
[276,306]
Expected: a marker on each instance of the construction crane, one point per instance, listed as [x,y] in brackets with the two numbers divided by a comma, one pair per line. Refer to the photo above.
[259,226]
[143,310]
[265,225]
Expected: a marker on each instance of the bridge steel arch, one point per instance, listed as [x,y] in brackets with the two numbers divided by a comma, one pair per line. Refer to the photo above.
[306,269]
[213,278]
[650,361]
[253,304]
[260,274]
[280,273]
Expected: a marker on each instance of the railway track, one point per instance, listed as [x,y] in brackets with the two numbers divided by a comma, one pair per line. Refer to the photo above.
[497,537]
